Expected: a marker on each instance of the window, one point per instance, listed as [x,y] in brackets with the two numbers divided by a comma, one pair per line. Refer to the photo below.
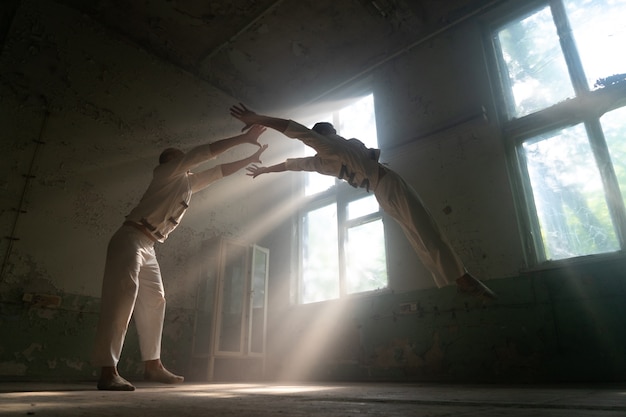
[561,69]
[342,243]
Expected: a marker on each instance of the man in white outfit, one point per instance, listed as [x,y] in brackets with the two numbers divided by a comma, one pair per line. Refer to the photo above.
[132,284]
[352,161]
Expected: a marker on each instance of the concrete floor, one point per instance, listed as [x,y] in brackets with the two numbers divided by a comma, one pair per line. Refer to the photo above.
[329,400]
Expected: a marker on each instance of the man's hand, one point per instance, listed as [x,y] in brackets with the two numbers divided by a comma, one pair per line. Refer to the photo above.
[249,118]
[241,112]
[252,135]
[255,170]
[256,157]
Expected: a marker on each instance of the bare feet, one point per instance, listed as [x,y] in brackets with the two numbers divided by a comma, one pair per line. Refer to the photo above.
[156,372]
[110,380]
[469,285]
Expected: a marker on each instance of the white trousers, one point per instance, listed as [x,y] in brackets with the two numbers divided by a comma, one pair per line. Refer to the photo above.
[131,286]
[401,201]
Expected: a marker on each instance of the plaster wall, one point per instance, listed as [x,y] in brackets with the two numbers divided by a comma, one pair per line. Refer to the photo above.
[442,86]
[84,117]
[561,323]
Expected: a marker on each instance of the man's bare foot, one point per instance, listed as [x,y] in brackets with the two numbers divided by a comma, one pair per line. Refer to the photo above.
[114,383]
[156,372]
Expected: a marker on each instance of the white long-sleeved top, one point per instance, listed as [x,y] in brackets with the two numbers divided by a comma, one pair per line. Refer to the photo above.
[167,198]
[347,159]
[338,156]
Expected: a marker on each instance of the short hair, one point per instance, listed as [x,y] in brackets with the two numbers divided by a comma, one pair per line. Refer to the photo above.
[166,154]
[324,128]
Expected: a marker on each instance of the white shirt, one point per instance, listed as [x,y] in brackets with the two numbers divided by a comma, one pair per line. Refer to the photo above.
[347,159]
[167,198]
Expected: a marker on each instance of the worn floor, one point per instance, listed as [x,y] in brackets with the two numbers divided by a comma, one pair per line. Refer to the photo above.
[328,400]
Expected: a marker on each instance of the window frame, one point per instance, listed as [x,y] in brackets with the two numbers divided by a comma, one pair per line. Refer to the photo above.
[586,107]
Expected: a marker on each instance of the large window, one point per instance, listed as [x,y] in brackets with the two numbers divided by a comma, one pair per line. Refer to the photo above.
[342,243]
[561,66]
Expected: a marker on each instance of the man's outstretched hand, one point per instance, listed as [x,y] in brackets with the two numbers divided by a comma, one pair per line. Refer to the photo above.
[249,118]
[256,157]
[242,113]
[253,133]
[256,170]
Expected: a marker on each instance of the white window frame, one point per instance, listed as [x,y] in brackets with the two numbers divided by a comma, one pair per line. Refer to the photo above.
[586,107]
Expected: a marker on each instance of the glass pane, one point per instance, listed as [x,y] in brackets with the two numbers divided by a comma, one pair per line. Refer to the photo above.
[257,310]
[316,183]
[362,207]
[569,195]
[599,28]
[358,121]
[233,293]
[320,264]
[614,126]
[365,257]
[535,65]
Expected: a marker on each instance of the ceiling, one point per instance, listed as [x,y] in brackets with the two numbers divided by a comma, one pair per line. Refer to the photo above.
[275,53]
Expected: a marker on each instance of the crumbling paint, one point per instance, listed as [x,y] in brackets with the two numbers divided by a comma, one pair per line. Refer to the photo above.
[45,313]
[398,353]
[73,363]
[12,368]
[434,357]
[28,353]
[509,359]
[114,106]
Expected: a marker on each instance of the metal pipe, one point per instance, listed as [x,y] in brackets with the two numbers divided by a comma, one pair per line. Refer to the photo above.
[480,116]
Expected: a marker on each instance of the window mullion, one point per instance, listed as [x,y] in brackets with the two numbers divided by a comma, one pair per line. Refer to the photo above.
[363,220]
[568,45]
[615,201]
[342,236]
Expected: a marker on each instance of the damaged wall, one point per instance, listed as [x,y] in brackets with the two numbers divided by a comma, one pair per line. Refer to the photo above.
[85,114]
[561,324]
[551,326]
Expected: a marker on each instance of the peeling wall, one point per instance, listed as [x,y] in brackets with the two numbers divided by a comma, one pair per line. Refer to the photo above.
[533,332]
[554,326]
[85,115]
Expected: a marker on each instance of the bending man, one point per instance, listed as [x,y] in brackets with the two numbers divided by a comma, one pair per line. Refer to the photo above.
[352,161]
[132,284]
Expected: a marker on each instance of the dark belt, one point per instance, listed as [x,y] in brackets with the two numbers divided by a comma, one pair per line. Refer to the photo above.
[142,229]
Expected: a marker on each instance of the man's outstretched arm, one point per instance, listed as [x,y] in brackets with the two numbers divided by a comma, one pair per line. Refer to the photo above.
[249,118]
[205,178]
[323,145]
[251,136]
[232,167]
[309,164]
[256,170]
[202,153]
